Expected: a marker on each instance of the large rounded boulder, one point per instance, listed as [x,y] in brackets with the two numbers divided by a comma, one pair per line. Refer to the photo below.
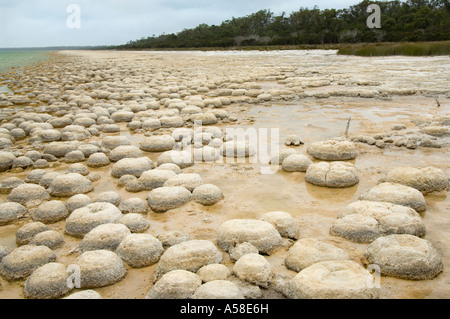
[164,198]
[84,219]
[308,251]
[22,261]
[405,256]
[99,268]
[140,250]
[333,150]
[70,184]
[424,179]
[190,255]
[131,166]
[28,194]
[176,284]
[365,221]
[332,174]
[47,282]
[397,194]
[260,234]
[343,279]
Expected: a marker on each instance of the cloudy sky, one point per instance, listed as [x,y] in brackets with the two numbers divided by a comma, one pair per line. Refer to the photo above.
[41,23]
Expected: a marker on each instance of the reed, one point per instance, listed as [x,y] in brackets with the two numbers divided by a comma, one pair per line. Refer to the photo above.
[402,48]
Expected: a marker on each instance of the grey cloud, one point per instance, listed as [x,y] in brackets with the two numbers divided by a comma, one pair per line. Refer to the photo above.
[106,22]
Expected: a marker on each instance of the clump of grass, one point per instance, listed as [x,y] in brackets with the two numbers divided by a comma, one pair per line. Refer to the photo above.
[408,49]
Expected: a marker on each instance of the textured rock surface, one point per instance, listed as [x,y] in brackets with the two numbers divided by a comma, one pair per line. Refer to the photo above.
[164,198]
[343,279]
[218,289]
[333,150]
[254,269]
[47,282]
[22,261]
[396,194]
[176,284]
[308,251]
[424,179]
[99,268]
[260,234]
[140,250]
[190,255]
[405,256]
[84,219]
[70,184]
[364,221]
[332,174]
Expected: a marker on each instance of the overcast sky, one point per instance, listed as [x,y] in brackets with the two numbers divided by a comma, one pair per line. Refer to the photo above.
[41,23]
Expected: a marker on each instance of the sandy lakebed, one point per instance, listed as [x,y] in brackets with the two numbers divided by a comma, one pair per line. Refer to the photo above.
[57,113]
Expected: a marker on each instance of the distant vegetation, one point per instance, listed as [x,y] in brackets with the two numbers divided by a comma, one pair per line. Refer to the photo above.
[411,49]
[408,21]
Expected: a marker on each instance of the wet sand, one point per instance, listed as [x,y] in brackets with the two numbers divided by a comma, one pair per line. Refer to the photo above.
[247,192]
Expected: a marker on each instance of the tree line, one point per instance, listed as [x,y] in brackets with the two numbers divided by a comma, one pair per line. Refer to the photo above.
[411,20]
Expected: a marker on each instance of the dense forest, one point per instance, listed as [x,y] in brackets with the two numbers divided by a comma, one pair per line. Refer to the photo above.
[411,20]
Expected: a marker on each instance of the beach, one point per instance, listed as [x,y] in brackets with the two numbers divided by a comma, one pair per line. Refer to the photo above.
[392,112]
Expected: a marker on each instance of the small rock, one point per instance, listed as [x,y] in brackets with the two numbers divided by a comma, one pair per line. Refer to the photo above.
[85,294]
[241,249]
[187,180]
[109,197]
[293,140]
[364,221]
[77,201]
[97,160]
[171,238]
